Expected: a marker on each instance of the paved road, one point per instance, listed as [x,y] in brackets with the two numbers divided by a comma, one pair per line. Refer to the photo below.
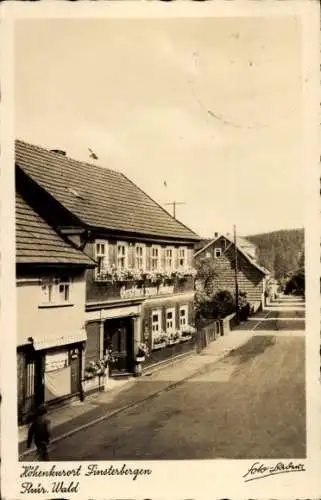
[252,404]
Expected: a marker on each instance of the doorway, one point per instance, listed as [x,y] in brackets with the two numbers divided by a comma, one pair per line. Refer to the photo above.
[118,336]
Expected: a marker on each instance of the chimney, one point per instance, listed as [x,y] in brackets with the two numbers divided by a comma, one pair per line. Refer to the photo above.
[58,152]
[215,235]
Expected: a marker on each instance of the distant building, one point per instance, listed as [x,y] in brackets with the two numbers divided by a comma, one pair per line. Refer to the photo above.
[251,276]
[142,289]
[51,333]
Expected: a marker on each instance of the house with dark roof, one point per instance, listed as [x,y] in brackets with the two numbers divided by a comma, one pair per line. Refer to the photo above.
[51,335]
[251,276]
[142,289]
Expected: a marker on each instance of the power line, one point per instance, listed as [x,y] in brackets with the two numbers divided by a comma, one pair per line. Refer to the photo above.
[174,205]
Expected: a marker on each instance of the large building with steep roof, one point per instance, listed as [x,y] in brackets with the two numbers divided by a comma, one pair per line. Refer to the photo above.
[142,289]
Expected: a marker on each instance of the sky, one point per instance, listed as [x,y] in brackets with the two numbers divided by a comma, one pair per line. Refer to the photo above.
[203,111]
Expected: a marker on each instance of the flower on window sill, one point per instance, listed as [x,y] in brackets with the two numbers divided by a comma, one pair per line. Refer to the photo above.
[142,350]
[188,330]
[161,338]
[137,274]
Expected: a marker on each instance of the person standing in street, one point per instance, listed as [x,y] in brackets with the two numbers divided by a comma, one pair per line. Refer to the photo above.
[39,432]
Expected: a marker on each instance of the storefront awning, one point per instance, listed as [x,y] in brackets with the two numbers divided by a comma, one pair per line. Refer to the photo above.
[47,342]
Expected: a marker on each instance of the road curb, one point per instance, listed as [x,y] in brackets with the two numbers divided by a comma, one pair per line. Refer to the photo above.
[167,362]
[169,387]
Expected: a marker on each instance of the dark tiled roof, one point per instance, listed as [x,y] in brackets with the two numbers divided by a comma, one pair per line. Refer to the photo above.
[240,248]
[38,243]
[241,242]
[98,196]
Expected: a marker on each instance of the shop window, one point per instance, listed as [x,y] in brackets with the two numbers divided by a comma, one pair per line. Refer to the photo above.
[101,249]
[170,320]
[56,290]
[156,322]
[217,252]
[182,257]
[169,258]
[183,316]
[155,257]
[122,255]
[57,377]
[140,256]
[56,361]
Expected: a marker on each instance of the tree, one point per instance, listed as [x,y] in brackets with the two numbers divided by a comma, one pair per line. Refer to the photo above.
[205,275]
[296,282]
[209,304]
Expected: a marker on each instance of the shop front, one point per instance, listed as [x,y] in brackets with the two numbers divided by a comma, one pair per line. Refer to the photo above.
[49,373]
[113,334]
[119,341]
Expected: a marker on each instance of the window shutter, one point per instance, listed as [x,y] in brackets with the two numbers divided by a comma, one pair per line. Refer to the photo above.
[175,257]
[190,257]
[189,314]
[148,257]
[105,254]
[112,253]
[131,255]
[177,317]
[162,256]
[163,319]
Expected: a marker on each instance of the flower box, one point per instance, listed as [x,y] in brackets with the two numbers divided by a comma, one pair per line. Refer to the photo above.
[160,345]
[173,341]
[184,338]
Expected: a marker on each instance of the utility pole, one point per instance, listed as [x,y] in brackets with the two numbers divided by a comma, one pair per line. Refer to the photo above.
[236,278]
[174,204]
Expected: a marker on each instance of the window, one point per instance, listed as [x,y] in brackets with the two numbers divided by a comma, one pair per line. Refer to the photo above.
[101,256]
[156,322]
[122,254]
[140,256]
[182,257]
[56,290]
[155,258]
[217,252]
[170,320]
[169,258]
[183,316]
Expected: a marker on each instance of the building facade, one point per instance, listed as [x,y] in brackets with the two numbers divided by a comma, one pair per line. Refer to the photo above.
[142,288]
[251,277]
[51,335]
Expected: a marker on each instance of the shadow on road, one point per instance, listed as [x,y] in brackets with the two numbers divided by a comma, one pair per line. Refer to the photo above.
[255,346]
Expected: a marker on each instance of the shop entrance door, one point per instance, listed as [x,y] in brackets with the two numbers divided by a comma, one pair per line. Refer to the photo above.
[118,336]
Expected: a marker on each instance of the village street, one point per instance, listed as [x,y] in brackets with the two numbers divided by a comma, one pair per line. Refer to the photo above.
[250,404]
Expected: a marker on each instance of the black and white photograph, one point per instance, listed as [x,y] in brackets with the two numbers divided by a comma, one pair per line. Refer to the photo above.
[161,247]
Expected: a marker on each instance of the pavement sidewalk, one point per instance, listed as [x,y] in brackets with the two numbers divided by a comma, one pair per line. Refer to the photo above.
[127,394]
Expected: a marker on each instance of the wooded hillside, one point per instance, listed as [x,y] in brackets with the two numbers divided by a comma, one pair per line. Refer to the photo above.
[280,251]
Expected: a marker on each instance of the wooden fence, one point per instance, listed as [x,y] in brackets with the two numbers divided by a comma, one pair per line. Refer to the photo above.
[208,334]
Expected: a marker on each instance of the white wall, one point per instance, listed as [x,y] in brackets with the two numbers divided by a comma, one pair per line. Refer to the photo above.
[33,320]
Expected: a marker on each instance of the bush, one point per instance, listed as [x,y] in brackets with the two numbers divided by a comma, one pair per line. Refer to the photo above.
[222,304]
